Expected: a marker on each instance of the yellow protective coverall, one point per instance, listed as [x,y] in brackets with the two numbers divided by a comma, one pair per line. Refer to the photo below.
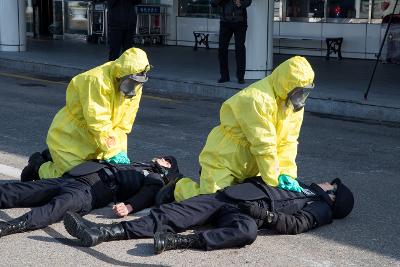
[96,118]
[257,135]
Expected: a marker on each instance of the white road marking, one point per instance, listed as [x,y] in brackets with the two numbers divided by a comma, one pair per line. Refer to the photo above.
[10,172]
[24,77]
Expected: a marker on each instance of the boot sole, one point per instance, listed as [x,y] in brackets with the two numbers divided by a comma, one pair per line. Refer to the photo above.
[158,246]
[78,229]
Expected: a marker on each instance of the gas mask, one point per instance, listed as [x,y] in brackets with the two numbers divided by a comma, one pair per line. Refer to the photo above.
[129,83]
[297,97]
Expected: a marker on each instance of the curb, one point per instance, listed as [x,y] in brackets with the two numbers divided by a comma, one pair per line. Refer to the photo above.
[159,84]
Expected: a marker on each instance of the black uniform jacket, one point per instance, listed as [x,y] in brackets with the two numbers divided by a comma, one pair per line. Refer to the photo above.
[122,14]
[231,12]
[294,212]
[130,183]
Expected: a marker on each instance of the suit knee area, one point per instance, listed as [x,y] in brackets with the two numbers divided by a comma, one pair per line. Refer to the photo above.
[249,231]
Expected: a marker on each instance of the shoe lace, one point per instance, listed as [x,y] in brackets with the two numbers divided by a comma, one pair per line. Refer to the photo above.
[12,228]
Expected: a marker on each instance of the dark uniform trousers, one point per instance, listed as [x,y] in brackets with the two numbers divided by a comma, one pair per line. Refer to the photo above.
[232,228]
[51,199]
[227,29]
[120,40]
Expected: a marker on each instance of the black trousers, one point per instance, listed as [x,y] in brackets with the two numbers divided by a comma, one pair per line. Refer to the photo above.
[231,227]
[120,40]
[226,30]
[50,199]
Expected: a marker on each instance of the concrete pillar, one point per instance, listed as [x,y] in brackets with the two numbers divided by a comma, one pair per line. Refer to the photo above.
[259,39]
[172,12]
[12,25]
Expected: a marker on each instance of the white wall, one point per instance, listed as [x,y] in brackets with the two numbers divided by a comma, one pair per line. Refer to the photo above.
[12,25]
[360,40]
[172,13]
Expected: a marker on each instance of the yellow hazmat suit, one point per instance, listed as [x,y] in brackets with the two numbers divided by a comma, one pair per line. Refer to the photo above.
[257,135]
[96,118]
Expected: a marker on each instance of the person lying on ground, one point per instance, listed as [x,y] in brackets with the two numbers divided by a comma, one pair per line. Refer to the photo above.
[235,213]
[88,186]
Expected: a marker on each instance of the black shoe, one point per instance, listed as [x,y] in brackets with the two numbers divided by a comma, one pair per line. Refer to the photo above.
[241,81]
[17,225]
[223,80]
[169,241]
[31,171]
[91,234]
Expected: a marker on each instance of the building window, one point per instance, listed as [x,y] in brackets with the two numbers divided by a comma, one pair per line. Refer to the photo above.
[197,8]
[383,8]
[341,9]
[305,9]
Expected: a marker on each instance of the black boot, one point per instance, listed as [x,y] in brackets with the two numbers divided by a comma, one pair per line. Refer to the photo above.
[31,171]
[17,225]
[91,234]
[169,241]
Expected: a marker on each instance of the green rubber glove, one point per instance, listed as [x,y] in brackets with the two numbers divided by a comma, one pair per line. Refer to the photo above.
[120,158]
[288,183]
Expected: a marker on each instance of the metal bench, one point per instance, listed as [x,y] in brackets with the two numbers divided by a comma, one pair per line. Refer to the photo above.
[333,44]
[201,37]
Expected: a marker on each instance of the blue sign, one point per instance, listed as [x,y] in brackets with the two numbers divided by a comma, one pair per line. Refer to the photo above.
[148,9]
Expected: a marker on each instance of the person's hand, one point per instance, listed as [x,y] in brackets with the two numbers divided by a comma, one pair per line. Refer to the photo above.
[110,141]
[252,209]
[237,3]
[122,210]
[261,215]
[288,183]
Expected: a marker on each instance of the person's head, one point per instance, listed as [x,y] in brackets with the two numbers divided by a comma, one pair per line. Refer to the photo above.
[129,71]
[168,165]
[292,82]
[338,196]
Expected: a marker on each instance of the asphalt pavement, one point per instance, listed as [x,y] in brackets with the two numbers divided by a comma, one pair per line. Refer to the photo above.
[365,155]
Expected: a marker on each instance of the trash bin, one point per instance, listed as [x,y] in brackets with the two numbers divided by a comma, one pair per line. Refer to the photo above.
[393,44]
[97,24]
[391,48]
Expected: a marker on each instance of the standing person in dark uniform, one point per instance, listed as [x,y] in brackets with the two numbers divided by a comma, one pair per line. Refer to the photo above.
[121,26]
[88,186]
[235,212]
[233,21]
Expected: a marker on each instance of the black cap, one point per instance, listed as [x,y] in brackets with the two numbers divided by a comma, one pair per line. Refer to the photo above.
[344,201]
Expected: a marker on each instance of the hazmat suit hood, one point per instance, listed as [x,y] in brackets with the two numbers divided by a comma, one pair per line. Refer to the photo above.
[294,72]
[132,61]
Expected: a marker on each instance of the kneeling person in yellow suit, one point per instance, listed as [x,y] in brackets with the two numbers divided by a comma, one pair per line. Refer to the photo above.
[101,106]
[258,133]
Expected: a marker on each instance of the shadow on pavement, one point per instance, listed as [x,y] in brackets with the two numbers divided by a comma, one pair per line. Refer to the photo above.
[373,223]
[59,238]
[142,250]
